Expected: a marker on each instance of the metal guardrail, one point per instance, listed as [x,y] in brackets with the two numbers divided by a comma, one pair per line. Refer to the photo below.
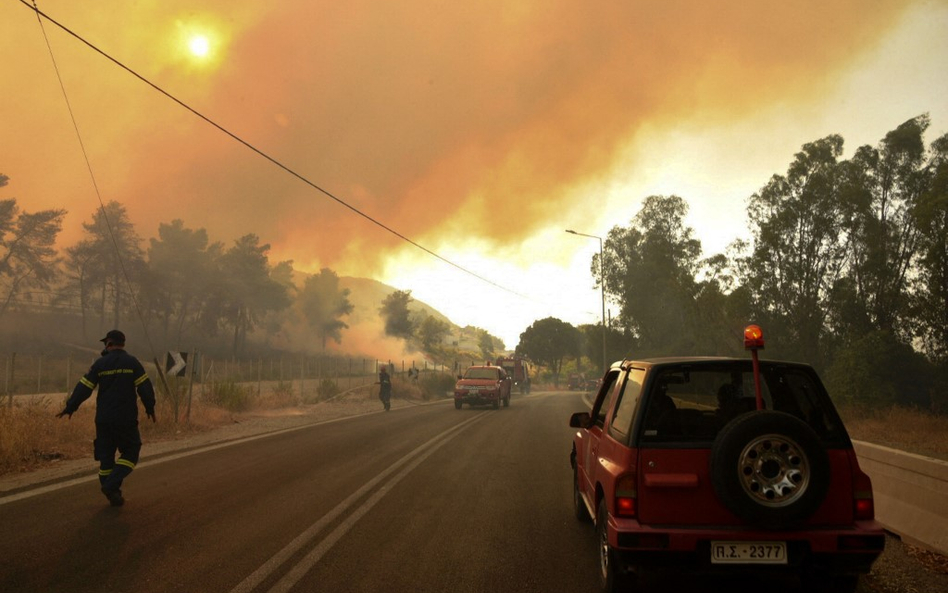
[910,492]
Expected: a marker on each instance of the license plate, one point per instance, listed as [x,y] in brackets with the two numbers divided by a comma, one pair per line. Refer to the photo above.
[724,552]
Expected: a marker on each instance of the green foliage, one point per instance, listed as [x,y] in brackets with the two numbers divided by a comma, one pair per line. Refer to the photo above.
[282,394]
[431,331]
[323,303]
[650,270]
[327,389]
[619,345]
[435,385]
[27,257]
[548,341]
[798,249]
[862,373]
[245,289]
[229,395]
[930,297]
[181,266]
[485,343]
[104,266]
[396,315]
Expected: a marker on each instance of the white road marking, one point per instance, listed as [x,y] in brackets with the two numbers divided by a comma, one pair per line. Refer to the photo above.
[410,461]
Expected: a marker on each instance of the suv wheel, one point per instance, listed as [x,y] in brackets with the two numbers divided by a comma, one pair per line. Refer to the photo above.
[611,579]
[770,469]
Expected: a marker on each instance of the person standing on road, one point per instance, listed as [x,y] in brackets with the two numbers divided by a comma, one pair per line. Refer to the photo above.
[385,387]
[119,376]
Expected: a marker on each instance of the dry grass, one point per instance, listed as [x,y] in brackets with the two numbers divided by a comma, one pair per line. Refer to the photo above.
[907,429]
[31,436]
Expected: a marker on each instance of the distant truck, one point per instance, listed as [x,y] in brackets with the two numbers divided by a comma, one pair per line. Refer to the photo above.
[576,381]
[518,370]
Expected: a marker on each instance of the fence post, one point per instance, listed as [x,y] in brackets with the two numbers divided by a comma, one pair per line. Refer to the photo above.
[190,368]
[11,366]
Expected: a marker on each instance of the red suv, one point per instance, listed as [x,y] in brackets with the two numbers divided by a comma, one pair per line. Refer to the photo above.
[718,466]
[483,385]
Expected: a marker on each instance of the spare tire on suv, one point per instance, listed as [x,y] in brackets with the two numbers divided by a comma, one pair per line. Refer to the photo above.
[770,469]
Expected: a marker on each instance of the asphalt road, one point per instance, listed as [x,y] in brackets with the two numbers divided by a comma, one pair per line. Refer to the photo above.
[423,498]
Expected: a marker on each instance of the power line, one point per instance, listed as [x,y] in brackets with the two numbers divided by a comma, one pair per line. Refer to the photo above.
[263,154]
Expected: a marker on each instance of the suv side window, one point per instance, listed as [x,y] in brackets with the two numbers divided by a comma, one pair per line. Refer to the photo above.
[601,405]
[628,398]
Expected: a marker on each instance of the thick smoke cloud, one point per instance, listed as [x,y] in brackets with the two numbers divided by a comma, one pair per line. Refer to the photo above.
[435,118]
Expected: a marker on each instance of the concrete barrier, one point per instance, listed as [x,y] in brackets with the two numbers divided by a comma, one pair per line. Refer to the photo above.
[910,492]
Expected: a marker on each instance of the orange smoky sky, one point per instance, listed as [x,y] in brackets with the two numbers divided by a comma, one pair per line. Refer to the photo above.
[432,117]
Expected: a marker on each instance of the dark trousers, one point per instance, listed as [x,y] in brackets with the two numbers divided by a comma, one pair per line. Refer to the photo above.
[110,438]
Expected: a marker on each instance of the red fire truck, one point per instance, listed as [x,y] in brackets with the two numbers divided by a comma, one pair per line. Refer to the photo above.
[518,370]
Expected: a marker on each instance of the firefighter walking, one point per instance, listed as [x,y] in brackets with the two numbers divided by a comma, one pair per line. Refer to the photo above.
[385,387]
[119,377]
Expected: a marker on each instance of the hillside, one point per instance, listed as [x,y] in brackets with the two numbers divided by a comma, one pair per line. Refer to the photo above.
[366,295]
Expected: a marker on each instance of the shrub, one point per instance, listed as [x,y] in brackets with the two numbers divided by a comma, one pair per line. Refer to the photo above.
[435,385]
[229,395]
[861,374]
[327,389]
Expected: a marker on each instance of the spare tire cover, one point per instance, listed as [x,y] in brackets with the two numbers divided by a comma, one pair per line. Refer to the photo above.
[770,469]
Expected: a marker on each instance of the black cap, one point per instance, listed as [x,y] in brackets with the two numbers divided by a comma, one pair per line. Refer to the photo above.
[114,337]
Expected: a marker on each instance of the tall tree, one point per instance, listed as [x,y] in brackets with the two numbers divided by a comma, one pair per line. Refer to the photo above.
[106,263]
[27,257]
[931,285]
[799,249]
[180,264]
[548,342]
[722,306]
[324,303]
[619,345]
[246,291]
[397,316]
[650,271]
[485,344]
[885,186]
[431,332]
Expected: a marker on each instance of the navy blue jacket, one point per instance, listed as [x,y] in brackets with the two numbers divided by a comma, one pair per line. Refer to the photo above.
[118,375]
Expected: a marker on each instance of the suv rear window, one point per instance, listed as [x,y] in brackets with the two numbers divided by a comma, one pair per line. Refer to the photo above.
[691,403]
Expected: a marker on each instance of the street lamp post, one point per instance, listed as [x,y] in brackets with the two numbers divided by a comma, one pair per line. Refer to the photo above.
[602,287]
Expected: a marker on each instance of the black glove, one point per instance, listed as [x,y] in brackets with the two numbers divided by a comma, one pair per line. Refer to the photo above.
[152,416]
[64,413]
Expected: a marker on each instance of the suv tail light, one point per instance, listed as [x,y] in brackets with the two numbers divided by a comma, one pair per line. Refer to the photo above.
[625,496]
[863,506]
